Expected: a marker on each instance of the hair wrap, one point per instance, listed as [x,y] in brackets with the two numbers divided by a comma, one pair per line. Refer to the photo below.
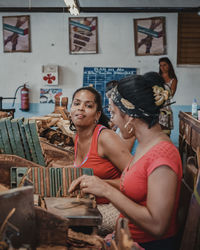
[129,108]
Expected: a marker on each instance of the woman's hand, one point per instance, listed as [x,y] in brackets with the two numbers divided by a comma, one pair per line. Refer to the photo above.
[90,184]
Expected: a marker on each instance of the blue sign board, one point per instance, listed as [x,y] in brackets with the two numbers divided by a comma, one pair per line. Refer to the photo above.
[99,76]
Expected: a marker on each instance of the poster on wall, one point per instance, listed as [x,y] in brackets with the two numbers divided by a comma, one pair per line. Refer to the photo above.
[150,36]
[48,95]
[83,35]
[16,33]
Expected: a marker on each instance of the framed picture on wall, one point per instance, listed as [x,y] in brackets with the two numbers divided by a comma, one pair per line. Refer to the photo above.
[48,95]
[83,35]
[16,33]
[150,36]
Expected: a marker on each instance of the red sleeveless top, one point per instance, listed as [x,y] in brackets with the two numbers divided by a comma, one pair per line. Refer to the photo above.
[102,167]
[134,183]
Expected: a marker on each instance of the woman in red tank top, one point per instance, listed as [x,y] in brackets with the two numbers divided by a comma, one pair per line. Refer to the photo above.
[97,147]
[150,184]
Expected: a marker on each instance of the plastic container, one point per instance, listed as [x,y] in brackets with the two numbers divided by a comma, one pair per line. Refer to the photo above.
[195,108]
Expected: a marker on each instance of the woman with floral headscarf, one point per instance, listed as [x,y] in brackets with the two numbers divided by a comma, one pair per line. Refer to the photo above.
[150,184]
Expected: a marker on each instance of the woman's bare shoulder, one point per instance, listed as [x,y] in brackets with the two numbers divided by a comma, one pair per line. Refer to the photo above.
[108,133]
[109,139]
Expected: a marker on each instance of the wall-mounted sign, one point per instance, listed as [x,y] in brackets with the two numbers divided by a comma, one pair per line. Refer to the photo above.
[50,74]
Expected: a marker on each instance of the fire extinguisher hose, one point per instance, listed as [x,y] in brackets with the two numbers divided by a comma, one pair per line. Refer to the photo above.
[21,86]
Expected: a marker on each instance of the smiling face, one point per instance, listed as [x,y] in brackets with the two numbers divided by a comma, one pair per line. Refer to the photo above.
[84,109]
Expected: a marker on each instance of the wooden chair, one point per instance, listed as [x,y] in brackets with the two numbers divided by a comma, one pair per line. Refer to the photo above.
[190,211]
[187,187]
[184,203]
[191,235]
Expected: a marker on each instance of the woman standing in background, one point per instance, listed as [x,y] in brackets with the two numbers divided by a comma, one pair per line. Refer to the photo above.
[166,70]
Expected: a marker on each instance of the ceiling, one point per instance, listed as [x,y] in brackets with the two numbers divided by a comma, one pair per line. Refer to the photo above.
[102,5]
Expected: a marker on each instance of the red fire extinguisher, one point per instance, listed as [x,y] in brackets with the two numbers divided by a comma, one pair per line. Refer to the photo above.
[24,96]
[24,93]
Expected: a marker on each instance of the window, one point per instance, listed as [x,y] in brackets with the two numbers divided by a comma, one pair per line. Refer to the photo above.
[188,39]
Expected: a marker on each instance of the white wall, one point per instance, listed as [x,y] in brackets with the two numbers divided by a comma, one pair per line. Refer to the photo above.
[49,39]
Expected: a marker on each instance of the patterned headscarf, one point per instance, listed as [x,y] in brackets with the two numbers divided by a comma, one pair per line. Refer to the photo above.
[133,110]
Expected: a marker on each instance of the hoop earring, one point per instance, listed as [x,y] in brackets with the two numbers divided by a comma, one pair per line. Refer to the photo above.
[130,130]
[126,127]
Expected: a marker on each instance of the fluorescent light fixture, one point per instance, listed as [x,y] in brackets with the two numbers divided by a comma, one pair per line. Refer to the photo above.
[73,7]
[69,3]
